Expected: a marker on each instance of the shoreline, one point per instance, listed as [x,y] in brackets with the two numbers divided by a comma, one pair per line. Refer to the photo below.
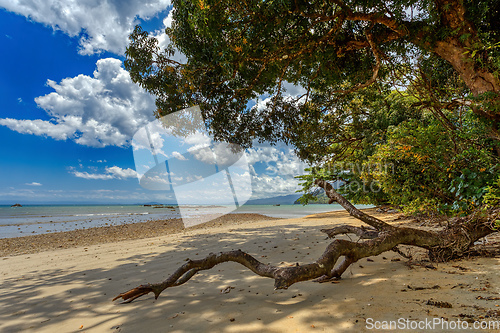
[101,234]
[114,233]
[19,222]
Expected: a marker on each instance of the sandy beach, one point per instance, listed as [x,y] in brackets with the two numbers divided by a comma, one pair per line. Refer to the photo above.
[64,282]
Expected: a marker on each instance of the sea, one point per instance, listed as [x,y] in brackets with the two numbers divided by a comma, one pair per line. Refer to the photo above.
[42,219]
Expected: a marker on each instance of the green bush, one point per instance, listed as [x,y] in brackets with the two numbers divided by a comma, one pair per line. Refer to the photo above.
[492,195]
[436,170]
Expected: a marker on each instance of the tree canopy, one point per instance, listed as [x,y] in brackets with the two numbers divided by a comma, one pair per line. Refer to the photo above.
[397,97]
[411,84]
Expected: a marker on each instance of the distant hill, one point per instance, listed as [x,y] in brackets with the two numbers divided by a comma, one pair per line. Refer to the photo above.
[320,196]
[281,200]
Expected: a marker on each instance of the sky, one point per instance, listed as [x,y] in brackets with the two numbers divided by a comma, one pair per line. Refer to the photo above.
[69,111]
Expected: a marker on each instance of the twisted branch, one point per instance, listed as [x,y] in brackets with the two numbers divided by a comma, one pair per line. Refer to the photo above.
[284,277]
[353,211]
[441,245]
[362,232]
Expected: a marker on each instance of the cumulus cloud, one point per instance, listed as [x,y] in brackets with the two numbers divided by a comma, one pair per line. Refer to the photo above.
[86,175]
[265,186]
[99,25]
[273,169]
[103,110]
[278,160]
[197,140]
[33,184]
[113,172]
[178,156]
[118,172]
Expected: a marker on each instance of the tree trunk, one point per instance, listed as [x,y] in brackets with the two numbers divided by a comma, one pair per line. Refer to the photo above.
[453,241]
[461,49]
[457,49]
[479,81]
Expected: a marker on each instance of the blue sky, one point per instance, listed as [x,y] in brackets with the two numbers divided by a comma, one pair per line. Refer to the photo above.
[69,110]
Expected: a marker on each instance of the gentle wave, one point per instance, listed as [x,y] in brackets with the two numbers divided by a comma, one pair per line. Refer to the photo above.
[110,214]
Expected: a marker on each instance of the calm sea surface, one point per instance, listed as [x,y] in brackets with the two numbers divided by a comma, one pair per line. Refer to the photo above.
[34,219]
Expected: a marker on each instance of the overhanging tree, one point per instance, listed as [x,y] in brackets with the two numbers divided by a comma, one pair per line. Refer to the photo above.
[350,58]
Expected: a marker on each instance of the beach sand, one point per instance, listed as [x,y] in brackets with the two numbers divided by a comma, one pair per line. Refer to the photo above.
[69,289]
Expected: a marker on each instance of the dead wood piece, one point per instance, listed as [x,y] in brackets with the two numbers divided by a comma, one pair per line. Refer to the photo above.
[362,232]
[489,298]
[284,277]
[452,242]
[401,253]
[439,304]
[134,293]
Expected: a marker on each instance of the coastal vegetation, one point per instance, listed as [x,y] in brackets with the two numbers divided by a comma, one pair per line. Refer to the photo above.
[398,101]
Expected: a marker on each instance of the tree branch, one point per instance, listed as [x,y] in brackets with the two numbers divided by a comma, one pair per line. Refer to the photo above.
[376,68]
[444,245]
[380,18]
[353,211]
[284,277]
[361,232]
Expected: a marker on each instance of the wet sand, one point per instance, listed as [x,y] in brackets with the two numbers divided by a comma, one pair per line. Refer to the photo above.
[113,233]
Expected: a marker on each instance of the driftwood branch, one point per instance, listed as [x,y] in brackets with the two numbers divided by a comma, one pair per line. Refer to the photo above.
[284,277]
[362,232]
[454,241]
[324,268]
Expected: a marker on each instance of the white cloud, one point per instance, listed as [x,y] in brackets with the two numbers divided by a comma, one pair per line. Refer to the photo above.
[291,93]
[60,131]
[86,175]
[158,180]
[292,89]
[178,156]
[100,25]
[273,169]
[33,184]
[197,140]
[118,172]
[265,186]
[113,172]
[278,160]
[103,110]
[152,136]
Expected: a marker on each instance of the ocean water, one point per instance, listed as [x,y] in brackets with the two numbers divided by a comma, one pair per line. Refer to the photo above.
[41,219]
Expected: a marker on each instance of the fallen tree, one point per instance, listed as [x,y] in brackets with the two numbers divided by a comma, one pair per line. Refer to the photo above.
[453,241]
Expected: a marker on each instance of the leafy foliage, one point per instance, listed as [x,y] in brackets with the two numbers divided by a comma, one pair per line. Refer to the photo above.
[435,169]
[398,99]
[492,195]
